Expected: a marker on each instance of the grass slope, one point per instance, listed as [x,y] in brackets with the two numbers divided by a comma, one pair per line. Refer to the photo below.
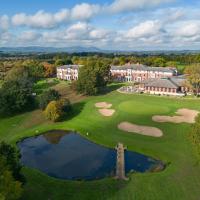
[179,181]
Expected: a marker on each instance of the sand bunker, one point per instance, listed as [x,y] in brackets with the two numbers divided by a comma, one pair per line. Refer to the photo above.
[183,116]
[107,112]
[143,130]
[103,105]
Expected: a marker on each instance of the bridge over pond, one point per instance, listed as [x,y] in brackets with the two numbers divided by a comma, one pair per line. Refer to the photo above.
[120,162]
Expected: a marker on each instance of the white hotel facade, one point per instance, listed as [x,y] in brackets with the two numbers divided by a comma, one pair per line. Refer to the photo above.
[126,73]
[68,72]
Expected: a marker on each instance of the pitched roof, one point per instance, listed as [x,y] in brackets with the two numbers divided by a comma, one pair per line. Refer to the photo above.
[143,68]
[146,81]
[69,66]
[162,83]
[179,81]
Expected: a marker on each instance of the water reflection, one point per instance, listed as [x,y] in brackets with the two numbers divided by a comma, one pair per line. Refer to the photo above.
[67,155]
[54,137]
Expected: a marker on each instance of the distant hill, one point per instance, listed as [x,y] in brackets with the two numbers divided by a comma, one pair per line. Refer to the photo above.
[80,49]
[37,49]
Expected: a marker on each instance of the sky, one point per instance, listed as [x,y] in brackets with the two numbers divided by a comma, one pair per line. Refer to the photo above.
[106,24]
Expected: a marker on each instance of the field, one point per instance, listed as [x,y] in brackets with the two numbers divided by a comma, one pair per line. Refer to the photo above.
[180,179]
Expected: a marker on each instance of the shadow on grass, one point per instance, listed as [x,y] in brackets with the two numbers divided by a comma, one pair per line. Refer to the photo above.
[29,108]
[111,88]
[76,110]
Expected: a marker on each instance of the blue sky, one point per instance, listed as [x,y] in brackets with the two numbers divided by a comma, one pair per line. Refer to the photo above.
[107,24]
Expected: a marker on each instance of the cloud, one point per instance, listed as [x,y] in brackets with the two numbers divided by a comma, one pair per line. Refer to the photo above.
[84,11]
[174,14]
[4,22]
[78,31]
[62,16]
[144,29]
[188,29]
[28,36]
[100,34]
[45,20]
[40,19]
[119,6]
[6,38]
[80,12]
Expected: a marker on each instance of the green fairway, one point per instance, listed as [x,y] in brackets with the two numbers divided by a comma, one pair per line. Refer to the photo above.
[179,181]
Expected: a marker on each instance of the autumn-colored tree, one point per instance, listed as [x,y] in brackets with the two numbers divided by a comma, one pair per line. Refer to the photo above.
[53,111]
[193,77]
[49,70]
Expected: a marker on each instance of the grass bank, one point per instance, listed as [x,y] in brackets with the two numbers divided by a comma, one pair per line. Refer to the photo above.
[179,181]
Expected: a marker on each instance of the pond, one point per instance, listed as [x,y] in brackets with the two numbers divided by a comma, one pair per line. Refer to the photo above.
[68,155]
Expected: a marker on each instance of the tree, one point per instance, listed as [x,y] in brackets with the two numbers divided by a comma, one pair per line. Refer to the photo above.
[35,68]
[56,110]
[93,77]
[49,70]
[10,177]
[65,61]
[122,60]
[48,96]
[159,62]
[16,91]
[172,64]
[53,111]
[193,77]
[12,158]
[116,61]
[10,189]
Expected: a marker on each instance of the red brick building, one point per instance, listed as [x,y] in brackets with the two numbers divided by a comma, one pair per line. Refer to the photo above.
[138,72]
[164,86]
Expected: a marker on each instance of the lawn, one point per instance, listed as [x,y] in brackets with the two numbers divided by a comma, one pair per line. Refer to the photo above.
[181,68]
[179,181]
[45,84]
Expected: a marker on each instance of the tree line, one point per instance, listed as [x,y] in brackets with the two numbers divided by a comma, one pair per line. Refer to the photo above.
[52,60]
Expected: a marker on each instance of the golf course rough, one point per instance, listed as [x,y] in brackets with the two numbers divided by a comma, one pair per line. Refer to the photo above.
[179,181]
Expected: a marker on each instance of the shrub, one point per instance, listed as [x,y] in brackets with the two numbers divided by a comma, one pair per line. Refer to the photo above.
[57,109]
[48,96]
[65,105]
[53,111]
